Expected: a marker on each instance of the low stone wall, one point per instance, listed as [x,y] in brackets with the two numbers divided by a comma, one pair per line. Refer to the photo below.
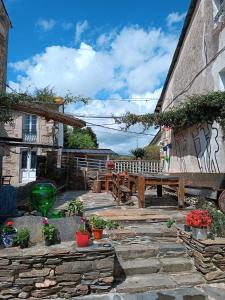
[63,270]
[208,255]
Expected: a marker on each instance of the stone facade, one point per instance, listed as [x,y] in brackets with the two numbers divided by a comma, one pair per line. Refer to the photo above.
[200,149]
[64,271]
[208,255]
[5,24]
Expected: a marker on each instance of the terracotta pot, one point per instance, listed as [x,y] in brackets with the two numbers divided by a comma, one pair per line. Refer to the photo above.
[97,233]
[82,239]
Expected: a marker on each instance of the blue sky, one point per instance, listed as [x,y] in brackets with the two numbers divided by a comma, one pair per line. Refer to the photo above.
[101,49]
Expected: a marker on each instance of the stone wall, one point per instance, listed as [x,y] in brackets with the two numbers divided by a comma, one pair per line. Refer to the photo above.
[208,255]
[200,148]
[63,270]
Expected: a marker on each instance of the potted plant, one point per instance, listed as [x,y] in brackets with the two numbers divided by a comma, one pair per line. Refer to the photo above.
[199,220]
[49,232]
[22,238]
[82,235]
[97,225]
[75,208]
[8,234]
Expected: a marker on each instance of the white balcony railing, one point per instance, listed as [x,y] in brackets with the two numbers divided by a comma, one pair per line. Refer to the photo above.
[29,137]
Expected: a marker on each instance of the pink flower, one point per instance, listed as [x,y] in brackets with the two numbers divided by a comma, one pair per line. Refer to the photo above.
[83,219]
[44,221]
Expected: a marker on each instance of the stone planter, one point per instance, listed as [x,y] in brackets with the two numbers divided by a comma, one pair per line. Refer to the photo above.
[199,233]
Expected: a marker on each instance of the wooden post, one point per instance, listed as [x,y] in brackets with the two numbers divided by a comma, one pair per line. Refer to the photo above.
[181,193]
[141,191]
[159,190]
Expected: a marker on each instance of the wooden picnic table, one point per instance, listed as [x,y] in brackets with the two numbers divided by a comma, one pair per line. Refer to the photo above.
[143,180]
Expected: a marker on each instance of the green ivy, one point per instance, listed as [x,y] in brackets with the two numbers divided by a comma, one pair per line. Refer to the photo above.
[40,96]
[198,109]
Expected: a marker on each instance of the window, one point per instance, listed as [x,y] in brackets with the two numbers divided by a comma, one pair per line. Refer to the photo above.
[24,160]
[30,124]
[33,161]
[222,80]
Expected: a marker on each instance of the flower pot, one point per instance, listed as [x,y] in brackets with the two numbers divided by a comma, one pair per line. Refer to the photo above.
[8,239]
[199,233]
[97,233]
[82,239]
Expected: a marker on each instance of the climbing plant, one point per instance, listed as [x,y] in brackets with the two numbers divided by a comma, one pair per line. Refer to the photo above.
[40,96]
[196,109]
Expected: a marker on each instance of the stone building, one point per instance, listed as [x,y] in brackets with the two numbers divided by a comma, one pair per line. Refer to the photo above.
[198,66]
[5,25]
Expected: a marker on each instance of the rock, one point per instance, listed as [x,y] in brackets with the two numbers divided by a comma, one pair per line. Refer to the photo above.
[91,276]
[7,279]
[214,248]
[24,295]
[68,277]
[45,292]
[218,256]
[79,290]
[53,261]
[47,283]
[27,288]
[214,275]
[5,272]
[38,266]
[74,267]
[108,263]
[13,291]
[4,262]
[107,279]
[35,273]
[4,285]
[28,281]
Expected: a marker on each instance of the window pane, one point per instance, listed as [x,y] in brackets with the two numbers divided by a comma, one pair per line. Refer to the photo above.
[34,124]
[33,160]
[24,160]
[26,123]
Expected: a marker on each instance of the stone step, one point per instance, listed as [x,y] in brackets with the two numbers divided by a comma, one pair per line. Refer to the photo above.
[144,283]
[133,251]
[155,265]
[149,282]
[140,266]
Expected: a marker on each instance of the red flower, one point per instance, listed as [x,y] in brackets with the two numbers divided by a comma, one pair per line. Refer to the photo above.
[198,218]
[9,223]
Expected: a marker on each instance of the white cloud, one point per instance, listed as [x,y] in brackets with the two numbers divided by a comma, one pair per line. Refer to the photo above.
[46,25]
[132,62]
[174,18]
[67,25]
[81,27]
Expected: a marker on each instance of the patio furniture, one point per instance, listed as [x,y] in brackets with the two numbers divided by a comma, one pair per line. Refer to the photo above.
[143,180]
[6,180]
[121,188]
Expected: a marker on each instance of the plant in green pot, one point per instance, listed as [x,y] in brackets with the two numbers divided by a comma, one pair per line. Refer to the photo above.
[97,225]
[49,232]
[75,208]
[22,238]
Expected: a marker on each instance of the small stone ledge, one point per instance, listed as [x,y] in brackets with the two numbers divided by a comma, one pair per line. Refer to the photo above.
[208,255]
[62,270]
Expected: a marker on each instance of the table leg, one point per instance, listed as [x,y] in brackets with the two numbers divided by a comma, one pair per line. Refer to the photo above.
[106,184]
[141,191]
[159,190]
[181,193]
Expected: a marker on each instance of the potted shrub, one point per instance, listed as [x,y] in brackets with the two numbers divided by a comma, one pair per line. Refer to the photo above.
[22,238]
[49,232]
[199,220]
[75,208]
[97,225]
[8,234]
[82,235]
